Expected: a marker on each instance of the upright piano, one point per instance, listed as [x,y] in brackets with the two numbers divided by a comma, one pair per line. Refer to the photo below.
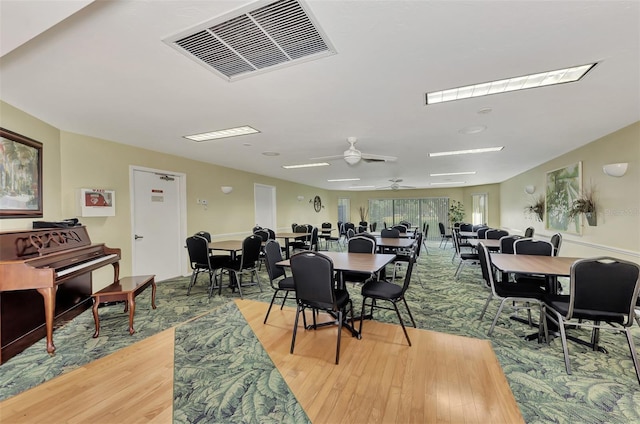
[41,261]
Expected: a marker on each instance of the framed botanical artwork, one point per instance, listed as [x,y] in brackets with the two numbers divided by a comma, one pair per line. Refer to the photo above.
[20,176]
[563,186]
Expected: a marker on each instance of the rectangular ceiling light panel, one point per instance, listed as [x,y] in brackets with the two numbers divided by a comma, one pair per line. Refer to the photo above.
[230,132]
[254,39]
[542,79]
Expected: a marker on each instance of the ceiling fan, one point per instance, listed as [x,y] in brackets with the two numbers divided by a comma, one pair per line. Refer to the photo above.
[353,155]
[395,185]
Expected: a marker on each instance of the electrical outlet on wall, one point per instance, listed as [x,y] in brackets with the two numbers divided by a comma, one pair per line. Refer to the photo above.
[204,202]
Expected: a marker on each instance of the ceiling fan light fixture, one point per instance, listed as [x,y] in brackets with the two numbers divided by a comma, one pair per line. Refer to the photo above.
[352,157]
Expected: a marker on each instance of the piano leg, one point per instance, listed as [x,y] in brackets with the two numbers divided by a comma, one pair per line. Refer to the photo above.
[49,297]
[132,310]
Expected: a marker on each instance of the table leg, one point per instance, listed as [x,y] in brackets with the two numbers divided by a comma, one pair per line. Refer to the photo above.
[132,309]
[153,293]
[96,318]
[49,297]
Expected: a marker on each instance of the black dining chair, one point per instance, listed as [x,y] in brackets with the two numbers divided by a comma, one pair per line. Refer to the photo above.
[520,296]
[278,278]
[386,291]
[201,261]
[603,295]
[444,237]
[360,243]
[245,263]
[315,289]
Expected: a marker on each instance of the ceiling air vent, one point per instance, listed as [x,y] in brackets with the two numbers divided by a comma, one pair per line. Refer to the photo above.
[254,40]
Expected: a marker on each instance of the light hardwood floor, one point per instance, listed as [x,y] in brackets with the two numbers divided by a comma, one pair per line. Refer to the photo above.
[441,378]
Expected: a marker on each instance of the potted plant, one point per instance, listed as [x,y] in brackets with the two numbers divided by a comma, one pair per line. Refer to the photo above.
[536,207]
[456,211]
[585,204]
[363,213]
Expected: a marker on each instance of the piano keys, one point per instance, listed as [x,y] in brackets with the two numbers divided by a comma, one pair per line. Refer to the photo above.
[45,276]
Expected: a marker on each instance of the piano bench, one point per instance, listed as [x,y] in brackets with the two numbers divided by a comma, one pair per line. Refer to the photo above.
[126,288]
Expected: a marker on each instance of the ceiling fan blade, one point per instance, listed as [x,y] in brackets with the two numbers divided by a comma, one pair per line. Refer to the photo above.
[378,158]
[334,157]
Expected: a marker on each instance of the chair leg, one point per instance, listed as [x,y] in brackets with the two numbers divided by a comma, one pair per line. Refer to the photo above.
[270,305]
[238,282]
[192,282]
[295,327]
[409,311]
[284,299]
[339,334]
[364,299]
[495,319]
[565,350]
[634,355]
[406,335]
[486,305]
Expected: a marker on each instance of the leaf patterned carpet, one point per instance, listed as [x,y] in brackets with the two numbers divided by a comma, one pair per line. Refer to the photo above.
[222,374]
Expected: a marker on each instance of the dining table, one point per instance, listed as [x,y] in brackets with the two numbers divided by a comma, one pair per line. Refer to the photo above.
[549,266]
[231,246]
[287,240]
[492,245]
[406,235]
[356,262]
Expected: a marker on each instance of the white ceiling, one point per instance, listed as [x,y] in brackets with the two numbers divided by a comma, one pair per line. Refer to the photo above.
[104,71]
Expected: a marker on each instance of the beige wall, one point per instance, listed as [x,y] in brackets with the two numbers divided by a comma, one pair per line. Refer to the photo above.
[618,230]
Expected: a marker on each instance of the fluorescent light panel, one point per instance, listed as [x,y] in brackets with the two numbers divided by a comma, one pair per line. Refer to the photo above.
[542,79]
[467,151]
[305,165]
[339,180]
[230,132]
[446,174]
[449,183]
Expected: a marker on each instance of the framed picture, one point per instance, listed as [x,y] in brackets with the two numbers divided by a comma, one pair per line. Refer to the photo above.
[20,176]
[96,202]
[563,186]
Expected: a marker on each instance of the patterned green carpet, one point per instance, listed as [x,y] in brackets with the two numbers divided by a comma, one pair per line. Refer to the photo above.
[222,373]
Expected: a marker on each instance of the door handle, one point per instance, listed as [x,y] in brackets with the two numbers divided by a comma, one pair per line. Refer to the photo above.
[136,237]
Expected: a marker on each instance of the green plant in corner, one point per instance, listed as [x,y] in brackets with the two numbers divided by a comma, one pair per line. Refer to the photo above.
[456,211]
[585,204]
[536,207]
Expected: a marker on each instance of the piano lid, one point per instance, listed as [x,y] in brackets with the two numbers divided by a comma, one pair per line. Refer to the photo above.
[24,244]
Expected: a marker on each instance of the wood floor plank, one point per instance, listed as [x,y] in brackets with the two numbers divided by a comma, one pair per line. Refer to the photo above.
[441,378]
[134,384]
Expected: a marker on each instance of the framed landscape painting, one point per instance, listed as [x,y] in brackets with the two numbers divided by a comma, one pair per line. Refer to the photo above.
[563,186]
[20,176]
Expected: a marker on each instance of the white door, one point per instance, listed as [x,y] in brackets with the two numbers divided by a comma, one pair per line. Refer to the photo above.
[265,205]
[157,199]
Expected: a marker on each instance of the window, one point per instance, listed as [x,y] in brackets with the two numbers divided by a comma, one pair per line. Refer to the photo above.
[430,210]
[344,209]
[479,208]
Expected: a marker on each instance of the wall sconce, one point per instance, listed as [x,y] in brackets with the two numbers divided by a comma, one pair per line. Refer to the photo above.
[530,189]
[226,189]
[615,169]
[300,198]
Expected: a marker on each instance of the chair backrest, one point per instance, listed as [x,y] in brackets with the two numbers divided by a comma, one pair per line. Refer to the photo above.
[425,230]
[604,284]
[373,226]
[198,249]
[272,234]
[485,265]
[361,244]
[313,280]
[418,244]
[350,233]
[479,226]
[293,227]
[262,233]
[256,228]
[405,223]
[495,234]
[348,225]
[466,227]
[251,247]
[273,255]
[528,233]
[205,235]
[482,231]
[326,228]
[442,230]
[506,243]
[390,233]
[455,238]
[556,241]
[314,238]
[525,246]
[400,228]
[301,229]
[361,229]
[409,272]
